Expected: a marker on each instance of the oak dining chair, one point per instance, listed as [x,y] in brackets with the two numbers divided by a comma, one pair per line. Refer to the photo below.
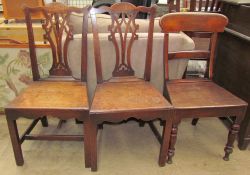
[200,38]
[125,96]
[198,97]
[59,95]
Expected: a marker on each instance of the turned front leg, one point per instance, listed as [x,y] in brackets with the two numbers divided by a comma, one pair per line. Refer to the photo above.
[233,132]
[173,139]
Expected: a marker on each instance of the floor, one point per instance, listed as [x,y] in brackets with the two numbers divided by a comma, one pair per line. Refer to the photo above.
[125,150]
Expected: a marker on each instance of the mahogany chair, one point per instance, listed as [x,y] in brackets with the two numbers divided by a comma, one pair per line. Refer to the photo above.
[125,96]
[209,6]
[197,97]
[59,95]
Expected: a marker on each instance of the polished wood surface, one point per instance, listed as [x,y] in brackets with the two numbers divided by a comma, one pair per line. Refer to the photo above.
[199,98]
[52,95]
[205,94]
[125,96]
[58,95]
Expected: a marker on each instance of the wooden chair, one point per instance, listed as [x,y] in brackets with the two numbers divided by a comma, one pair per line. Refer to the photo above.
[124,96]
[209,6]
[195,5]
[59,95]
[199,98]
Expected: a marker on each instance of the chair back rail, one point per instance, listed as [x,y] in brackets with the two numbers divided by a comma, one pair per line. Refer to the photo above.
[56,27]
[192,22]
[209,6]
[123,33]
[205,6]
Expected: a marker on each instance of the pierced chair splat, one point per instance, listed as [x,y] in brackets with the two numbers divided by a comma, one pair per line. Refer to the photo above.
[59,95]
[124,96]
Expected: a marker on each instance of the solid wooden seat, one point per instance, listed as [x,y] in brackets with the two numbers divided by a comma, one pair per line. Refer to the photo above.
[199,97]
[125,96]
[59,95]
[201,94]
[62,95]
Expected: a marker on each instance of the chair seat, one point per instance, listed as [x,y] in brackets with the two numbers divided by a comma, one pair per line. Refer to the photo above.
[201,94]
[126,96]
[52,95]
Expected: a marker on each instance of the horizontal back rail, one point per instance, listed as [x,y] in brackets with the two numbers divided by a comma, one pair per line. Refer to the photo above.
[196,54]
[193,21]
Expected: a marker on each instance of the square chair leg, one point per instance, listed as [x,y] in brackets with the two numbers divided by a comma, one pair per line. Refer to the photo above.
[165,142]
[14,136]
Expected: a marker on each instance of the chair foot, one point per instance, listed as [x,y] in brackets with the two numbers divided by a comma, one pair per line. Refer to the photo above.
[100,126]
[44,121]
[93,169]
[243,144]
[170,156]
[226,157]
[233,132]
[195,121]
[142,123]
[16,145]
[169,161]
[173,139]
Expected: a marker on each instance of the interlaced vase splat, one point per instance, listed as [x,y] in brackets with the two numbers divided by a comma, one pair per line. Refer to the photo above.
[57,27]
[123,31]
